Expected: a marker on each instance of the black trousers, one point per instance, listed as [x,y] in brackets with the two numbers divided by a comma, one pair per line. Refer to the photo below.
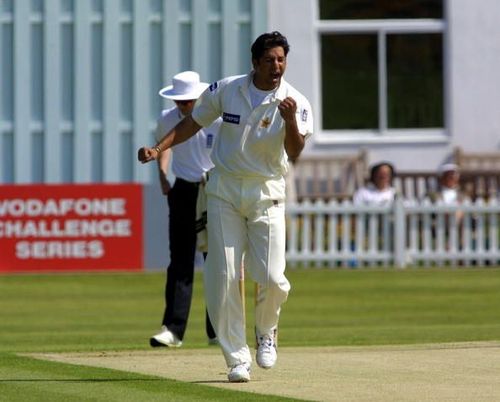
[180,273]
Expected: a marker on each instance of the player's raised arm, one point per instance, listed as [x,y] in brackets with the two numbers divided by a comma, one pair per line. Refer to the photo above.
[294,141]
[184,130]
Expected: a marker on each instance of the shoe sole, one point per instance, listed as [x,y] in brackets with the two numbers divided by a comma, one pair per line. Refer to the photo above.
[239,380]
[157,344]
[265,367]
[239,376]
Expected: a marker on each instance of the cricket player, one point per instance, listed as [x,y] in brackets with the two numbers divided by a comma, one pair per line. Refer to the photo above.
[265,122]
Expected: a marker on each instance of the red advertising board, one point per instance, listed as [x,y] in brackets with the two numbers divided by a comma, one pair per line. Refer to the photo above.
[70,227]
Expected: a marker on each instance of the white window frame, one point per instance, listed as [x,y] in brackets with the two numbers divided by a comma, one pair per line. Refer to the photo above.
[382,28]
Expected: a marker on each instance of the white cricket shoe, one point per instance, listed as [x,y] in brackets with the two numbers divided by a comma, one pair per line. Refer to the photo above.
[266,351]
[165,338]
[239,373]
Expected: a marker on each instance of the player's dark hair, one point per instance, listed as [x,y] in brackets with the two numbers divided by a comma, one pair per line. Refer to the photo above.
[268,41]
[375,168]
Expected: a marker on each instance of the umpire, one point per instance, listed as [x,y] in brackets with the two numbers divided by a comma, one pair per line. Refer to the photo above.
[190,161]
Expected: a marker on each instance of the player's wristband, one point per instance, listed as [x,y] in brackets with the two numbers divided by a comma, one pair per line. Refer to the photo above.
[157,149]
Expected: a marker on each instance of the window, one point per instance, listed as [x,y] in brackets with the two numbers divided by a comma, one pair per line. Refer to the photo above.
[349,77]
[381,69]
[414,81]
[380,9]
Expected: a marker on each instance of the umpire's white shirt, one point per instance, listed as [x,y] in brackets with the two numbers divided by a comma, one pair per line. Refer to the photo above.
[191,158]
[250,141]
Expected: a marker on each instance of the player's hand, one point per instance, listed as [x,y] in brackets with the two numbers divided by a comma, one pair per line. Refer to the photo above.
[288,108]
[146,154]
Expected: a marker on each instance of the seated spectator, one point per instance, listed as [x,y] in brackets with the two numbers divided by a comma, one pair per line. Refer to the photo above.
[379,190]
[449,192]
[449,185]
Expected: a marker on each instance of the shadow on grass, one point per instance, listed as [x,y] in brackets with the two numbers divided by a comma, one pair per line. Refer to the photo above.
[82,380]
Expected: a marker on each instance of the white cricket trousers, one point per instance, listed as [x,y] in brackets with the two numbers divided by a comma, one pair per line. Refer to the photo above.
[246,216]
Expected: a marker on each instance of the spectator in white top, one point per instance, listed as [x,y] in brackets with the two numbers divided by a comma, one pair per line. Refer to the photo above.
[449,192]
[379,191]
[449,184]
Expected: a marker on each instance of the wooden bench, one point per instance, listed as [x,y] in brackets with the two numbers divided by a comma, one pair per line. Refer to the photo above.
[337,177]
[413,184]
[474,183]
[409,184]
[477,161]
[328,177]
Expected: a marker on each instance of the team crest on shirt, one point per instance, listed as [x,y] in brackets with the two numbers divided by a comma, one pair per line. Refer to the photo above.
[303,115]
[265,122]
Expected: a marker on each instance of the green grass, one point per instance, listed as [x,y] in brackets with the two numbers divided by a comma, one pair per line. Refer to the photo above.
[97,312]
[353,307]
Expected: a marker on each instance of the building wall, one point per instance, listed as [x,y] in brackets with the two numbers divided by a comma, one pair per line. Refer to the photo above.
[79,79]
[475,73]
[472,75]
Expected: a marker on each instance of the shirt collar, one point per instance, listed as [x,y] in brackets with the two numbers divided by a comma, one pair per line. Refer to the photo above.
[279,95]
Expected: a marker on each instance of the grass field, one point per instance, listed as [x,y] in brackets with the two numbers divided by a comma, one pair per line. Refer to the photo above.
[116,312]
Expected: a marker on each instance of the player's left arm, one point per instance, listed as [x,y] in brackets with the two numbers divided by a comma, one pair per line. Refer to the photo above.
[294,140]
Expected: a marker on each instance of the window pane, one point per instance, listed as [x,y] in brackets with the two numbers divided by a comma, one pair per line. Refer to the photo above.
[349,81]
[415,80]
[380,9]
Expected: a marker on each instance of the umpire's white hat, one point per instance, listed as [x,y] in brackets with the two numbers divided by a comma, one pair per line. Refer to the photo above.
[185,86]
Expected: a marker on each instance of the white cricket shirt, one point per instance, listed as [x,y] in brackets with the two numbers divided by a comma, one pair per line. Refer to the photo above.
[250,142]
[190,159]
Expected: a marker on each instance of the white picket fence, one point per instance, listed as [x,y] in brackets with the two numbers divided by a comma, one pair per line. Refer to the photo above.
[406,233]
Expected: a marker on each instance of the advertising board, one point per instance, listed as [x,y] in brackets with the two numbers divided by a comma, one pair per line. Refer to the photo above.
[71,227]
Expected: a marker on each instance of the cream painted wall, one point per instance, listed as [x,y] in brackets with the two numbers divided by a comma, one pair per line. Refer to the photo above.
[472,62]
[475,73]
